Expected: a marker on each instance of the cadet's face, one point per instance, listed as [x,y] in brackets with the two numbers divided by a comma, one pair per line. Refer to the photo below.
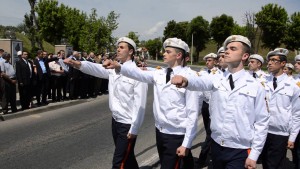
[210,63]
[170,56]
[123,52]
[222,61]
[253,64]
[297,66]
[274,64]
[234,53]
[286,70]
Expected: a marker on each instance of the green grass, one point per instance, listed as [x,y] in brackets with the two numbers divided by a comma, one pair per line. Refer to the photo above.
[27,45]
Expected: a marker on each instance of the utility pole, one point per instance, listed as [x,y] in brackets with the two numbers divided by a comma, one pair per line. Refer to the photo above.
[192,48]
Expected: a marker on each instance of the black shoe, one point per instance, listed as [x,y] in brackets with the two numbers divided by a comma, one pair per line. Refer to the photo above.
[45,103]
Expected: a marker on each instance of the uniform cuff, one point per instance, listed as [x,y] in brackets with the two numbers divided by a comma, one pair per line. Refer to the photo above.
[254,155]
[133,130]
[292,138]
[186,143]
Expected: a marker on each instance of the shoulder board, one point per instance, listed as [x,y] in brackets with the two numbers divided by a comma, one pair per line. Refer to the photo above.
[158,67]
[298,84]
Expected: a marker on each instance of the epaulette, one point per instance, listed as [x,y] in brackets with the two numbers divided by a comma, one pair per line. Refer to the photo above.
[214,71]
[298,84]
[263,84]
[198,73]
[158,67]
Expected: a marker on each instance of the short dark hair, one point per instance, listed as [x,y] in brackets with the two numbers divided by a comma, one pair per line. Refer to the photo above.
[5,55]
[39,52]
[1,50]
[184,54]
[131,47]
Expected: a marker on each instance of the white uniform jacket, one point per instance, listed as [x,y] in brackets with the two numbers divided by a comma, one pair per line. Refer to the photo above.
[175,110]
[261,76]
[239,117]
[127,97]
[284,106]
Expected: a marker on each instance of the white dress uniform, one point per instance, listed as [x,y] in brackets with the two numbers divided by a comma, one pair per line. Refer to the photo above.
[127,97]
[175,110]
[261,76]
[284,107]
[239,117]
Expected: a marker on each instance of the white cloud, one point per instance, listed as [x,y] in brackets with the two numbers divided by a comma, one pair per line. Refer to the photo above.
[154,30]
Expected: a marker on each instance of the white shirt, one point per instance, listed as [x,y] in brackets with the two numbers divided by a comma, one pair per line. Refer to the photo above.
[55,65]
[9,70]
[175,110]
[284,107]
[127,97]
[239,117]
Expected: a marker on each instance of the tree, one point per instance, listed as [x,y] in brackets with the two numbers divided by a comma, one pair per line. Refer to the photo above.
[251,30]
[177,30]
[292,39]
[134,37]
[35,25]
[220,28]
[272,20]
[199,28]
[154,46]
[51,21]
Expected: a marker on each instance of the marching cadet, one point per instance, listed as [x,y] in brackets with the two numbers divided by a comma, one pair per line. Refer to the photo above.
[127,101]
[296,150]
[239,117]
[221,63]
[288,70]
[175,110]
[255,64]
[211,69]
[282,97]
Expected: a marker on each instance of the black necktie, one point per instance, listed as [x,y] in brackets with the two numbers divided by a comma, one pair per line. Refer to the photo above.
[231,82]
[169,71]
[274,82]
[208,71]
[254,74]
[223,70]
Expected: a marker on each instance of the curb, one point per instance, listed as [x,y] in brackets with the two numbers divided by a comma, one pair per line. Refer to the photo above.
[42,109]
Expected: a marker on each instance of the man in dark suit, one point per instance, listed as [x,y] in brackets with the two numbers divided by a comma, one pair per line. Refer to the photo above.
[25,76]
[74,78]
[43,74]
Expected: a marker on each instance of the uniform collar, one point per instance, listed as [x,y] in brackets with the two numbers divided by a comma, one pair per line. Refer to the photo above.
[281,77]
[236,75]
[176,69]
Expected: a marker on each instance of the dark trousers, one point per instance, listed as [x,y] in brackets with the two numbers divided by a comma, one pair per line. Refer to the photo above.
[206,145]
[227,158]
[296,152]
[124,147]
[74,88]
[274,151]
[64,85]
[42,88]
[104,86]
[56,88]
[167,145]
[25,92]
[9,97]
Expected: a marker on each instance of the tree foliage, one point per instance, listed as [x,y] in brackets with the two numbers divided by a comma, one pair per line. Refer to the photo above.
[177,30]
[60,23]
[272,20]
[292,39]
[199,27]
[132,35]
[154,46]
[221,27]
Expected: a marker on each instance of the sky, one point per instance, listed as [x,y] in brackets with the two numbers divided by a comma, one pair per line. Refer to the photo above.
[148,18]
